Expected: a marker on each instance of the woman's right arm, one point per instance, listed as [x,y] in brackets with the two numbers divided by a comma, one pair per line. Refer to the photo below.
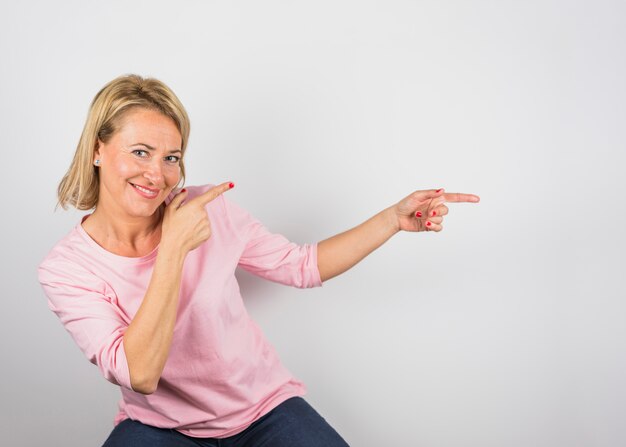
[148,338]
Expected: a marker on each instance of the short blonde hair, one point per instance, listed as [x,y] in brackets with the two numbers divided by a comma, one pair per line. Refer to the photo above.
[80,186]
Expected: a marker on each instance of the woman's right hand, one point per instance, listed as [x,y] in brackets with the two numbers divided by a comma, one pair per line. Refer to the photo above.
[186,225]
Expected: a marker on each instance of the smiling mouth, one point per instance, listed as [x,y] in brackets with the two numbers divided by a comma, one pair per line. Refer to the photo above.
[145,192]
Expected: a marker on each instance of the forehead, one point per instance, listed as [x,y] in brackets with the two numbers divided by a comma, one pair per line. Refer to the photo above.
[142,125]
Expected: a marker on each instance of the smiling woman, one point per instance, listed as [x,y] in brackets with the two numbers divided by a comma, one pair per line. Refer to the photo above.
[146,283]
[111,109]
[131,171]
[138,167]
[124,279]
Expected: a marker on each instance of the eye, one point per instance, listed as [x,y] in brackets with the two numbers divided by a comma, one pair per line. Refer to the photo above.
[140,153]
[172,159]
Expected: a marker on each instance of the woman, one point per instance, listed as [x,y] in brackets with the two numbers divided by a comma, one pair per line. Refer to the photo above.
[145,284]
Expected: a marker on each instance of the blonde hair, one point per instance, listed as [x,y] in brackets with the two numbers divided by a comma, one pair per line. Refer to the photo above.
[80,186]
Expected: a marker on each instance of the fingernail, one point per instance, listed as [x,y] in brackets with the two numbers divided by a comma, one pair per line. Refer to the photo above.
[418,214]
[231,185]
[439,190]
[428,224]
[183,190]
[434,213]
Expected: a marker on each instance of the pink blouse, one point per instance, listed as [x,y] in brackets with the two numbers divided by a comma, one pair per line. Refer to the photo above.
[221,374]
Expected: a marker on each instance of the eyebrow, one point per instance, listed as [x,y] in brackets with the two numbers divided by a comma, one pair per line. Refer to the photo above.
[153,149]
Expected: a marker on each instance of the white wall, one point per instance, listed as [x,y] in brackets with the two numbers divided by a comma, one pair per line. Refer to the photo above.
[505,329]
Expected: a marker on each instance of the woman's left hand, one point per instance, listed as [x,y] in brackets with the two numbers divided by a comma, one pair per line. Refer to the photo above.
[424,210]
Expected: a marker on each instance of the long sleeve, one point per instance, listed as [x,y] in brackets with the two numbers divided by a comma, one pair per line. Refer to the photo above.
[270,255]
[83,304]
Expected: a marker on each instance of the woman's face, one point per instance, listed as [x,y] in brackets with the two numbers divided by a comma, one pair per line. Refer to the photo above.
[139,165]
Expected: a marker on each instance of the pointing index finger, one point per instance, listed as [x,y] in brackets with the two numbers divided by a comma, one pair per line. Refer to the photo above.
[214,192]
[460,197]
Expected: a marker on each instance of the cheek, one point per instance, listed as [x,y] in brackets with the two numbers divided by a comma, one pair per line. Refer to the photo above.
[172,174]
[127,168]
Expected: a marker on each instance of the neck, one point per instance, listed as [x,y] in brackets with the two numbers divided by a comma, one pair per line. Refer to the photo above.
[122,234]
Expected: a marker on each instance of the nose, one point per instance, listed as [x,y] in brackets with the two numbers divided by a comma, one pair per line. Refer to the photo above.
[154,173]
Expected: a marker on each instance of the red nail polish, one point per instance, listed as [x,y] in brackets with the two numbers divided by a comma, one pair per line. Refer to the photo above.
[418,214]
[434,213]
[231,185]
[428,224]
[439,190]
[183,190]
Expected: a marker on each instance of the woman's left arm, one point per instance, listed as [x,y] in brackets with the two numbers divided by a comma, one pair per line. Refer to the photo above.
[419,211]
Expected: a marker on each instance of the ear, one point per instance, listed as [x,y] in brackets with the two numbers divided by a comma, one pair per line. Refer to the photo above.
[97,154]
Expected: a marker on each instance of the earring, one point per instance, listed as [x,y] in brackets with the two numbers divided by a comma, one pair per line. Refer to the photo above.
[97,162]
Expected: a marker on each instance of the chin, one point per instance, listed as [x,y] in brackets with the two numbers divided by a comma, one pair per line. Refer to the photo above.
[143,209]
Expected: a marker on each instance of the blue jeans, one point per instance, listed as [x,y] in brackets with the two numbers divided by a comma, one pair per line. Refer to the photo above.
[294,423]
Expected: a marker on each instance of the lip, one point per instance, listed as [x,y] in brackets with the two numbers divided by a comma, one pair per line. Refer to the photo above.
[154,192]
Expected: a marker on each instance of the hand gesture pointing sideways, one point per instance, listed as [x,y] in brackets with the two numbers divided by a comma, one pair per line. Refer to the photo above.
[424,210]
[186,224]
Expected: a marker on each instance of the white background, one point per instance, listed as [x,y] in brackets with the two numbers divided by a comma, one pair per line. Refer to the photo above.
[505,329]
